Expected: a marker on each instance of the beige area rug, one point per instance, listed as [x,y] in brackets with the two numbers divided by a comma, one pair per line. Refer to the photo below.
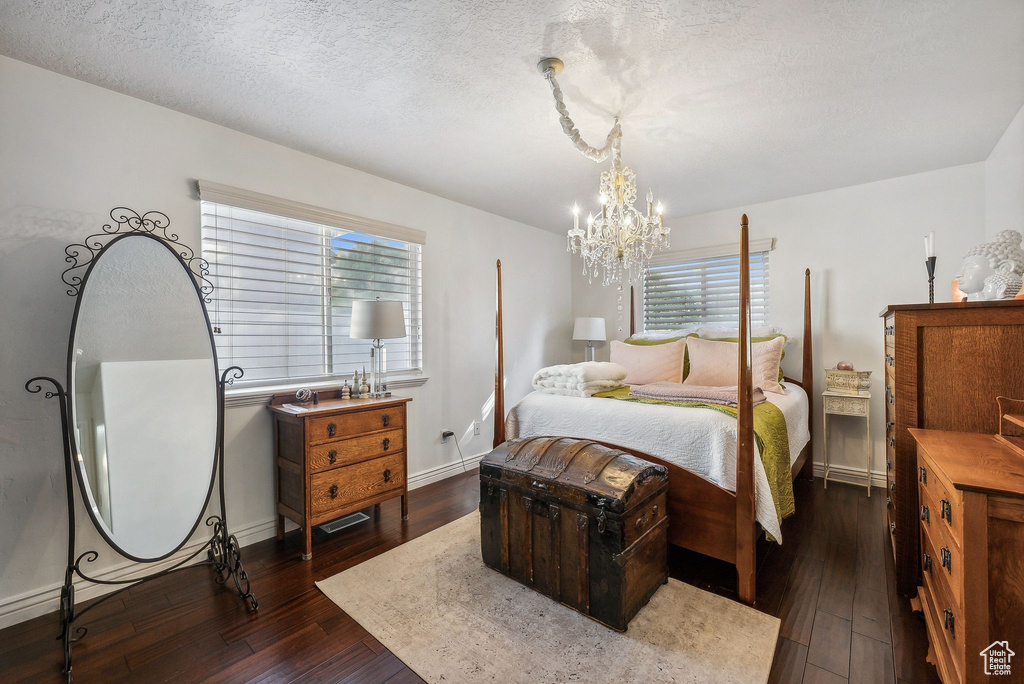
[450,618]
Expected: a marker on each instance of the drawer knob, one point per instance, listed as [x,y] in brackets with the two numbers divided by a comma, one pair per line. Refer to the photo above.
[332,455]
[947,559]
[947,621]
[386,443]
[640,522]
[888,502]
[927,562]
[387,476]
[926,514]
[386,419]
[892,527]
[892,486]
[333,491]
[922,474]
[331,429]
[946,511]
[888,464]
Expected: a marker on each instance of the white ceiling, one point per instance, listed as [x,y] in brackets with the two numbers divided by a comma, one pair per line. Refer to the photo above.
[723,102]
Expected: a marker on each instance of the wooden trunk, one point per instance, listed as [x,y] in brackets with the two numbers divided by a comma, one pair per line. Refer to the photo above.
[582,523]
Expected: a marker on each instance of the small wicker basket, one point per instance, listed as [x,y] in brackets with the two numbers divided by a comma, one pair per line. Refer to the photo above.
[847,381]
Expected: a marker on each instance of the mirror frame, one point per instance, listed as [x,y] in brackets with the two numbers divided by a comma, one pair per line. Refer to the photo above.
[202,292]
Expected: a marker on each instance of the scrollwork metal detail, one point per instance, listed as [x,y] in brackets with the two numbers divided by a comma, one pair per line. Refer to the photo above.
[124,220]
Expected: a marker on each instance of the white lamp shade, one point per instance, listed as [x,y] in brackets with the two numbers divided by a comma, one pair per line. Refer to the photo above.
[589,328]
[377,319]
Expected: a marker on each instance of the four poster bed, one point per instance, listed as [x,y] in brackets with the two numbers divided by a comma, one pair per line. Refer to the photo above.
[703,516]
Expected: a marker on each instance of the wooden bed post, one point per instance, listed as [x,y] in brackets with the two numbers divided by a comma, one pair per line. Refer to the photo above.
[746,539]
[499,371]
[807,377]
[632,313]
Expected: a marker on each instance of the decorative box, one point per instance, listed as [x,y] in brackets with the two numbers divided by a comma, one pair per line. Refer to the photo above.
[847,382]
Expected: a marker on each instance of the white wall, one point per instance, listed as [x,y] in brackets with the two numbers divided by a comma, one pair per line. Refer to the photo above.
[865,250]
[1004,180]
[72,151]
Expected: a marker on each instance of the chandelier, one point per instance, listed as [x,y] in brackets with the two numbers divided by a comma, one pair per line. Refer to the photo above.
[619,240]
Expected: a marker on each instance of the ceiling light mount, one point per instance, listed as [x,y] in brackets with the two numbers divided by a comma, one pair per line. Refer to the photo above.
[552,63]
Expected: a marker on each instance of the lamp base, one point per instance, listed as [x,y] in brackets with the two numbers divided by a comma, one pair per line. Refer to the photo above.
[590,352]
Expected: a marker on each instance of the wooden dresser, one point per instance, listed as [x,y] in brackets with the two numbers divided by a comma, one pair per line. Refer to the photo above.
[971,527]
[337,457]
[944,366]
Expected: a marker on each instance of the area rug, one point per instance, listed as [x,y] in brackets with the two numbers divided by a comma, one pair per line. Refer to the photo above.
[434,604]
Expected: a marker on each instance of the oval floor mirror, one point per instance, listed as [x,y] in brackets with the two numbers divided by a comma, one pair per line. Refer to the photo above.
[142,410]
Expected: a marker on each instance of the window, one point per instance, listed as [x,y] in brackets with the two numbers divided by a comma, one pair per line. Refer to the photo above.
[699,287]
[284,287]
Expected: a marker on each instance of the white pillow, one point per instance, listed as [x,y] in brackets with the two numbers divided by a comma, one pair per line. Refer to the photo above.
[715,364]
[650,363]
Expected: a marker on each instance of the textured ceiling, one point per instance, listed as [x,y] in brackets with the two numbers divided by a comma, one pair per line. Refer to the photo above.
[723,102]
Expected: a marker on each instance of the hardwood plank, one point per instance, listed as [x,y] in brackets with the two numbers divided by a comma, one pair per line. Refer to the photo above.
[871,614]
[871,661]
[830,643]
[816,675]
[788,666]
[839,580]
[800,601]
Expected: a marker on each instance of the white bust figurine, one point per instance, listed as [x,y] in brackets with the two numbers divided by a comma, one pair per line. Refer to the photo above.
[1003,256]
[1003,284]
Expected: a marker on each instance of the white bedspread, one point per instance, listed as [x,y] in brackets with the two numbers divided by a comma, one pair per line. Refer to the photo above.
[701,440]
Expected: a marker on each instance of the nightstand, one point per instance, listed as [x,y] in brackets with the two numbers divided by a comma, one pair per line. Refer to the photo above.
[839,404]
[337,457]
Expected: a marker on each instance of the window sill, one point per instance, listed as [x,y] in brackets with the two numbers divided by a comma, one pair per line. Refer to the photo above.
[260,395]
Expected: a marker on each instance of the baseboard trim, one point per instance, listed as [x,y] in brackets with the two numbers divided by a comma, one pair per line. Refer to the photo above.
[442,472]
[45,600]
[849,475]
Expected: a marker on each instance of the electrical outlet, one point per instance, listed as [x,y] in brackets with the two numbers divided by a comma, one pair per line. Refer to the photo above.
[476,427]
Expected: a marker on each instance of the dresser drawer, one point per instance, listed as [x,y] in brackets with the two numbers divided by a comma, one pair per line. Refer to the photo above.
[328,428]
[933,618]
[355,450]
[946,503]
[947,623]
[942,560]
[341,487]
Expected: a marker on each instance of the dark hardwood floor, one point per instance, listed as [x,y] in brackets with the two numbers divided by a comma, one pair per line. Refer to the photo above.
[831,584]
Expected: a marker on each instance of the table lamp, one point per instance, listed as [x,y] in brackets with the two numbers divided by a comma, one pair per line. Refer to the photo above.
[377,319]
[590,329]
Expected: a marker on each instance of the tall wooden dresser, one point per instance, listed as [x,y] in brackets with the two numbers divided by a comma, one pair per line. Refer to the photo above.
[971,488]
[337,457]
[944,366]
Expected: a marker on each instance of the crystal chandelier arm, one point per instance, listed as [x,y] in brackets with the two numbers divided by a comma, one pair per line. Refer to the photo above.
[612,144]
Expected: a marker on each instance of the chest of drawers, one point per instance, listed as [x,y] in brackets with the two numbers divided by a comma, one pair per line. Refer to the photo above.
[337,457]
[944,366]
[971,531]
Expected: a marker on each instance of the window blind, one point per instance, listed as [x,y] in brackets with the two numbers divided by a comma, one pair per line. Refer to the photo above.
[283,293]
[703,290]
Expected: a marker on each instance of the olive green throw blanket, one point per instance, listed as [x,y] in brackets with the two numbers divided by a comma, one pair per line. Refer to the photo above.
[772,442]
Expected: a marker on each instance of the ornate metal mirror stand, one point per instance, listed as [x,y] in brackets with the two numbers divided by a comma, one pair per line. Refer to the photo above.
[222,552]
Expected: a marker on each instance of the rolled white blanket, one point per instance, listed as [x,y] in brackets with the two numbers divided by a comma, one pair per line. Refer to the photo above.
[579,379]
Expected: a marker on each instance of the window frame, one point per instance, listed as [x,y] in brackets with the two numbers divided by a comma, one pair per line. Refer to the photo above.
[325,220]
[706,254]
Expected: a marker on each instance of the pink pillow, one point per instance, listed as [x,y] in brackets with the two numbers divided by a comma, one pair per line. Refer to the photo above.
[646,364]
[715,364]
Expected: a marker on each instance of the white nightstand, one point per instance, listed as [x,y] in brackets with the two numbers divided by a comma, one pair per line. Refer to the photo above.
[838,404]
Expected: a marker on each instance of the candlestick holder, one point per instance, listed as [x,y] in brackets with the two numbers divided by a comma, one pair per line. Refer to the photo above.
[930,265]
